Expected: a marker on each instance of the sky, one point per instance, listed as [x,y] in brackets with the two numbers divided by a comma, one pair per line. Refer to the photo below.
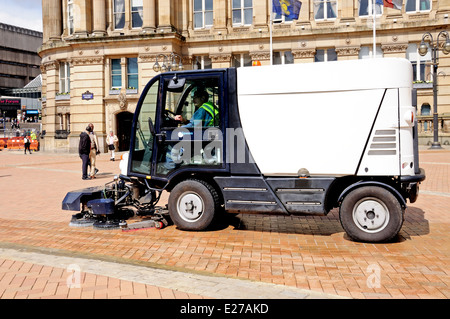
[22,13]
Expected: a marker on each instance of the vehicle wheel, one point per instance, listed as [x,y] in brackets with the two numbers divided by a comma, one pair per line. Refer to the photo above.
[192,205]
[371,214]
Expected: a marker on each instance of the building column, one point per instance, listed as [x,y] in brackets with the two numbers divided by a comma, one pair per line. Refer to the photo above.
[82,17]
[149,23]
[394,50]
[52,20]
[99,17]
[220,15]
[260,13]
[304,55]
[347,53]
[164,18]
[347,7]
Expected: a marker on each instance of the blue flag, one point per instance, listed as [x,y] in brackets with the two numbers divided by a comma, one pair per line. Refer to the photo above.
[288,8]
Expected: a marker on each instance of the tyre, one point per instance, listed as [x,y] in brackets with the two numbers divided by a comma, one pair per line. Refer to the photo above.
[371,214]
[193,204]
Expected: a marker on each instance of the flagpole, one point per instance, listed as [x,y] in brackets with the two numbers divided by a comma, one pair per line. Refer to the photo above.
[270,31]
[374,50]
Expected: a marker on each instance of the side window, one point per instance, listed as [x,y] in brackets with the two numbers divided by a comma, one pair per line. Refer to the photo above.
[190,124]
[197,104]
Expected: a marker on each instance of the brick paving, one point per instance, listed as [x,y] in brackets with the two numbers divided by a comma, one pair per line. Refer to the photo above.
[311,253]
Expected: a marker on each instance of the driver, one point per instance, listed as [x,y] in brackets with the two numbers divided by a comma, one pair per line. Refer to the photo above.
[207,114]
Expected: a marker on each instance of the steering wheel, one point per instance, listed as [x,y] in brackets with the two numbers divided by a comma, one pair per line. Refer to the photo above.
[169,118]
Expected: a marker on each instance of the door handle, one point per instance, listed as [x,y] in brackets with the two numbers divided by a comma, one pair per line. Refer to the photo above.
[161,137]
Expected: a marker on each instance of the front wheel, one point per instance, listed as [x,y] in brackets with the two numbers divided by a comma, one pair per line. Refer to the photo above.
[193,204]
[371,214]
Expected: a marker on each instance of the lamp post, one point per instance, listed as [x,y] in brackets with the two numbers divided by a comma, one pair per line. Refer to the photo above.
[169,63]
[423,49]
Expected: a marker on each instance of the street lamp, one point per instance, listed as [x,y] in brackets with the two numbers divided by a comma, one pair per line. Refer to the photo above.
[169,63]
[423,49]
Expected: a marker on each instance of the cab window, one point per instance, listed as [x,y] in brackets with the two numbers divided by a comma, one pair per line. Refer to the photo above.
[195,104]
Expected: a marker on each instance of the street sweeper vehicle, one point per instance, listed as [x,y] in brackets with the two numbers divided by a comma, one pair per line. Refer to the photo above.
[286,139]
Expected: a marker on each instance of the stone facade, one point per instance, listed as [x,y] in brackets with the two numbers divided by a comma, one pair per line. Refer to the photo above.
[103,44]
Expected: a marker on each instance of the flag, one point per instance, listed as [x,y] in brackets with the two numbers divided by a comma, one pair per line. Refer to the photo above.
[394,4]
[288,8]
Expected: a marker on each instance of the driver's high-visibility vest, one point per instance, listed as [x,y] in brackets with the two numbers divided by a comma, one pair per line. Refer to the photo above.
[213,111]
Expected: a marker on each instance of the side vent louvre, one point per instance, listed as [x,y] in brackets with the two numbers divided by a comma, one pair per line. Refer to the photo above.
[384,143]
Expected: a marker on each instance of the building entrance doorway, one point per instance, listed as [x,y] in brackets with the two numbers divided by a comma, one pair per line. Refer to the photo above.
[124,121]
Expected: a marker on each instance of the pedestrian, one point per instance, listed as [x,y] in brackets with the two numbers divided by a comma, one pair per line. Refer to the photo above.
[84,149]
[95,150]
[27,143]
[111,140]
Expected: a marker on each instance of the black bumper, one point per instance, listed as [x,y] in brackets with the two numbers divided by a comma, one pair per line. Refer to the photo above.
[417,178]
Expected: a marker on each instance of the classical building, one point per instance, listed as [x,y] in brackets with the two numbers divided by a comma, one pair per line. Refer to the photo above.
[98,55]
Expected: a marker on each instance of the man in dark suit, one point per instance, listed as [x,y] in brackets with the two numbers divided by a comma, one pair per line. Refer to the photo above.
[84,148]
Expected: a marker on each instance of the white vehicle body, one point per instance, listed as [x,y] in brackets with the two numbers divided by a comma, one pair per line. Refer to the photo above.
[320,116]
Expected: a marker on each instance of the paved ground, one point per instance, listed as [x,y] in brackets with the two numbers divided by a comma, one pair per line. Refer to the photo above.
[251,257]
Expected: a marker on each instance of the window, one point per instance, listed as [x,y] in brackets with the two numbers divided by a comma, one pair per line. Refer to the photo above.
[425,109]
[201,62]
[240,60]
[418,5]
[70,16]
[242,12]
[366,52]
[184,102]
[136,13]
[116,74]
[366,8]
[421,66]
[132,73]
[324,9]
[203,13]
[64,77]
[283,57]
[119,14]
[195,138]
[325,55]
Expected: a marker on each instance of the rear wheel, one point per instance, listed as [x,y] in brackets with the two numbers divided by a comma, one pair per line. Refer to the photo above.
[371,214]
[193,204]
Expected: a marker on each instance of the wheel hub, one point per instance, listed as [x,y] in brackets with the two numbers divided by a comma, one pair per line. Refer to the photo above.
[190,206]
[371,215]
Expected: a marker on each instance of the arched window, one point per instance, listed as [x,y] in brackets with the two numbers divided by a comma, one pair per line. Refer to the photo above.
[425,109]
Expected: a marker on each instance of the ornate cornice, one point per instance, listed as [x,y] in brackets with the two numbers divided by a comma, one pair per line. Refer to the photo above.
[303,53]
[52,65]
[343,51]
[147,57]
[394,48]
[220,57]
[86,61]
[260,56]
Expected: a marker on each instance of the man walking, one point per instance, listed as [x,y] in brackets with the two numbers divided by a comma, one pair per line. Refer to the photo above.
[94,151]
[84,149]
